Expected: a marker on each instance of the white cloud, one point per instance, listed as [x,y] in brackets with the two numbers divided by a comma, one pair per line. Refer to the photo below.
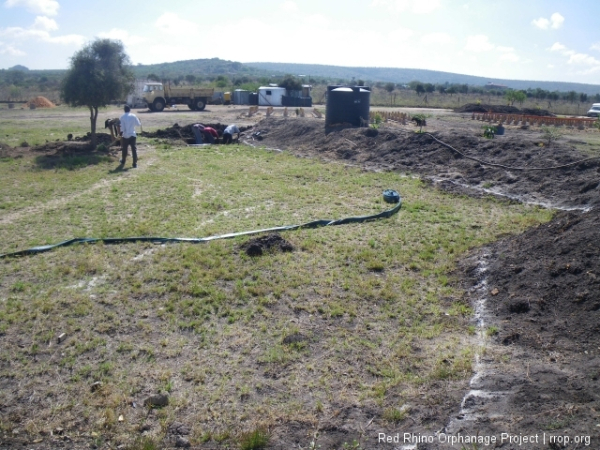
[505,49]
[40,30]
[595,46]
[541,23]
[582,59]
[512,57]
[399,35]
[425,6]
[45,7]
[577,59]
[289,6]
[479,43]
[23,33]
[415,6]
[317,20]
[437,39]
[557,47]
[44,23]
[171,23]
[7,49]
[67,39]
[121,35]
[555,22]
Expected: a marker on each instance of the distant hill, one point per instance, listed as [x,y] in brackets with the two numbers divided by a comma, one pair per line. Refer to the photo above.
[388,74]
[197,67]
[242,74]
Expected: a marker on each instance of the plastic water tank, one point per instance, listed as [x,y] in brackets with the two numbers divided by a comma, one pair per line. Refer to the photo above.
[347,104]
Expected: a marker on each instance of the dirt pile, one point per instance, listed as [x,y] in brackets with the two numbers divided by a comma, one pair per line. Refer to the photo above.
[270,243]
[543,295]
[185,132]
[501,109]
[399,148]
[536,112]
[40,102]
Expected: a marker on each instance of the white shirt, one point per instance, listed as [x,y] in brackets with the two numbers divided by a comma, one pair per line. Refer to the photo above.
[128,123]
[231,129]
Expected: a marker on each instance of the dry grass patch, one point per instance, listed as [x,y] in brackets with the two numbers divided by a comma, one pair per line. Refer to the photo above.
[359,316]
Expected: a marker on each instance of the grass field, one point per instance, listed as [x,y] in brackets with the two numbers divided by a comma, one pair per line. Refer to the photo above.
[361,314]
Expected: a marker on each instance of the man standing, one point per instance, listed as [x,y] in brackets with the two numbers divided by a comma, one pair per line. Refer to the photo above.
[128,137]
[228,134]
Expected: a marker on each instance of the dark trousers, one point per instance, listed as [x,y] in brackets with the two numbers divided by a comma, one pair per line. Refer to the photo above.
[198,135]
[126,142]
[227,138]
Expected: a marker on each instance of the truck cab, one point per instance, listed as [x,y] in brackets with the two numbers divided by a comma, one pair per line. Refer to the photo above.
[153,93]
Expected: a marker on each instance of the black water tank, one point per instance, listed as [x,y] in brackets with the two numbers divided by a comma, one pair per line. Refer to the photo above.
[347,104]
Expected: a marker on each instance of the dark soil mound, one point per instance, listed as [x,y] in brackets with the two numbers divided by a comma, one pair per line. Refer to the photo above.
[79,146]
[185,133]
[6,150]
[502,109]
[401,149]
[269,243]
[483,108]
[101,138]
[557,290]
[543,291]
[537,112]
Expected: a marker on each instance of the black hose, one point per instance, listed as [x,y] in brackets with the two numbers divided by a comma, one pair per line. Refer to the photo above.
[388,195]
[486,163]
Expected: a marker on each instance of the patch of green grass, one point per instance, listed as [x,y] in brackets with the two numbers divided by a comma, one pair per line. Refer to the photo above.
[254,440]
[395,415]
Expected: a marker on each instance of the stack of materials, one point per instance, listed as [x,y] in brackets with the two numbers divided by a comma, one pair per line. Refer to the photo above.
[40,102]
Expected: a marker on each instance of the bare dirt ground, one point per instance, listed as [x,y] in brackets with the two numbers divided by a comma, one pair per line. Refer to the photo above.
[537,294]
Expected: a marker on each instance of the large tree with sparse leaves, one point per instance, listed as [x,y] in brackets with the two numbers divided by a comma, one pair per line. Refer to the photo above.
[99,74]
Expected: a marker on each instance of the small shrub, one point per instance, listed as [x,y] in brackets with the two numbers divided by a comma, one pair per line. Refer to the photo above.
[24,144]
[377,120]
[551,134]
[395,415]
[254,440]
[492,331]
[489,132]
[420,120]
[144,443]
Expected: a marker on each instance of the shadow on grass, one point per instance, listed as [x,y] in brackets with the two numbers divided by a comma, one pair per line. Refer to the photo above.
[71,161]
[120,168]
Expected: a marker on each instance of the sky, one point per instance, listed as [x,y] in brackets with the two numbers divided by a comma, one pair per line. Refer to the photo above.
[543,40]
